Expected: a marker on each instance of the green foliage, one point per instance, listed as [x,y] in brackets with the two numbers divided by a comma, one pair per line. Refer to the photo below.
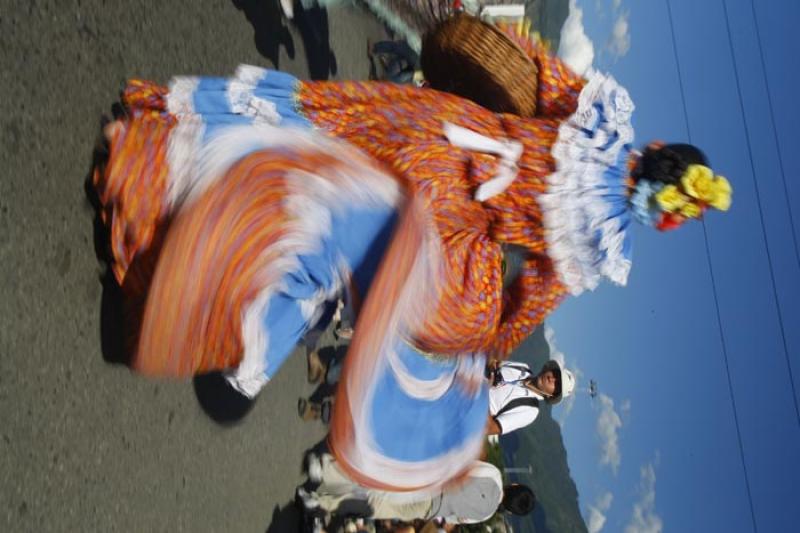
[540,445]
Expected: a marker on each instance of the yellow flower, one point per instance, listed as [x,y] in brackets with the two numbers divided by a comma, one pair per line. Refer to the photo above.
[722,194]
[691,210]
[671,199]
[698,182]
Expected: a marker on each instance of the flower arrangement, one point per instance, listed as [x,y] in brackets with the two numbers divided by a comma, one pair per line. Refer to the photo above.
[667,206]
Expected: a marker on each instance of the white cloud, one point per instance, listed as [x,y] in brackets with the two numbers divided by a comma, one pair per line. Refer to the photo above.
[596,514]
[620,41]
[616,4]
[575,48]
[608,425]
[643,517]
[550,337]
[567,404]
[565,407]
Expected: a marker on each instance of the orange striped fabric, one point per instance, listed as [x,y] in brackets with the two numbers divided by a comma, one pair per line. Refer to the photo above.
[132,186]
[216,258]
[402,126]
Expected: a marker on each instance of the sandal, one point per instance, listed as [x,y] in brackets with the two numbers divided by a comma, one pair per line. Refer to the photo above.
[315,369]
[308,410]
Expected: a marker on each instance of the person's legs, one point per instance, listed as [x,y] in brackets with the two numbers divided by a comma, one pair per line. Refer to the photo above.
[398,505]
[334,371]
[399,49]
[338,494]
[404,76]
[398,58]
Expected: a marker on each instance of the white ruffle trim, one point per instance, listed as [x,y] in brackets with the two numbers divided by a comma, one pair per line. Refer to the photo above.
[180,98]
[575,208]
[244,102]
[185,139]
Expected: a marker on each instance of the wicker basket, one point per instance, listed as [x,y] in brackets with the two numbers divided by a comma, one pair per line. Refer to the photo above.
[473,59]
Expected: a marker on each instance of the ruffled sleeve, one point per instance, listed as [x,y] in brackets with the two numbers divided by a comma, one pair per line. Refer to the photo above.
[558,86]
[585,209]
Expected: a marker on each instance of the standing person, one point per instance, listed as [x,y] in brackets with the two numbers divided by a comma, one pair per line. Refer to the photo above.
[398,60]
[410,19]
[516,393]
[478,496]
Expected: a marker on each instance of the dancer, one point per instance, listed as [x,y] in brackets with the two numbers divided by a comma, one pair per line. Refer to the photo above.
[238,231]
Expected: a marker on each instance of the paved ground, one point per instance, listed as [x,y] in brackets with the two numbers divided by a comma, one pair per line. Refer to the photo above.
[86,445]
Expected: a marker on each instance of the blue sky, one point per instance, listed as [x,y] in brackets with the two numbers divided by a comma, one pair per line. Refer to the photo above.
[659,449]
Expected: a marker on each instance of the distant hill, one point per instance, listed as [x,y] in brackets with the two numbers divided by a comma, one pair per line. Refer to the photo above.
[547,17]
[540,445]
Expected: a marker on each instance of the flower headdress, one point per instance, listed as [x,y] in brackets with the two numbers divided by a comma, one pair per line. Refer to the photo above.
[680,191]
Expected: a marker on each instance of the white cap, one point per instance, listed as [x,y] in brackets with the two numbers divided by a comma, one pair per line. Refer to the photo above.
[566,377]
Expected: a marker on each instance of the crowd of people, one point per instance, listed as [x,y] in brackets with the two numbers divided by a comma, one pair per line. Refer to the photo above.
[242,211]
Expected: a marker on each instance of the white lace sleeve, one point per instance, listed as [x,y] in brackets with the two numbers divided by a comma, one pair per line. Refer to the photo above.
[585,240]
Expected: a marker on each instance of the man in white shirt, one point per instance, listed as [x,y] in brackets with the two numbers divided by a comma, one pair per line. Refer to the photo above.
[516,392]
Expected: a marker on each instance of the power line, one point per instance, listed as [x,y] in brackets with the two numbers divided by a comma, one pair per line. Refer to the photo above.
[775,131]
[761,214]
[714,286]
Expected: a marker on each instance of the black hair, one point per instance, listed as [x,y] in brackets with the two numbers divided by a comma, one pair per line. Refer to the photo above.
[518,499]
[668,163]
[555,368]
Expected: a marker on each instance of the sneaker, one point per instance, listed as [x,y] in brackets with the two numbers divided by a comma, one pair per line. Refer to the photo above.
[317,524]
[287,6]
[314,468]
[306,499]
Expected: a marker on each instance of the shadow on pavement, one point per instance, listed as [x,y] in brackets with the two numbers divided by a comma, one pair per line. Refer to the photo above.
[221,402]
[312,23]
[270,30]
[286,519]
[113,330]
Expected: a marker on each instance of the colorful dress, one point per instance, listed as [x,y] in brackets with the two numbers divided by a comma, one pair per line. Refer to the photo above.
[233,221]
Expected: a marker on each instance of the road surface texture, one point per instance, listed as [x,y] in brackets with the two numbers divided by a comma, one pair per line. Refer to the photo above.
[87,445]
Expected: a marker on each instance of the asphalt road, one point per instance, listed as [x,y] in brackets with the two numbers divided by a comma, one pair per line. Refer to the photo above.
[87,445]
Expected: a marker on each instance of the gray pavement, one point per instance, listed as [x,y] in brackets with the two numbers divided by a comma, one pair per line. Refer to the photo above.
[87,445]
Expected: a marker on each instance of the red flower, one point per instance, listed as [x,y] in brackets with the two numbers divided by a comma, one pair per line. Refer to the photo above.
[670,221]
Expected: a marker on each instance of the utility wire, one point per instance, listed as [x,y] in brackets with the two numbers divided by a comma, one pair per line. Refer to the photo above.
[714,287]
[761,216]
[775,132]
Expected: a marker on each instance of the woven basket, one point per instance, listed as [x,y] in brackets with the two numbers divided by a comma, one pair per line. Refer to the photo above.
[473,59]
